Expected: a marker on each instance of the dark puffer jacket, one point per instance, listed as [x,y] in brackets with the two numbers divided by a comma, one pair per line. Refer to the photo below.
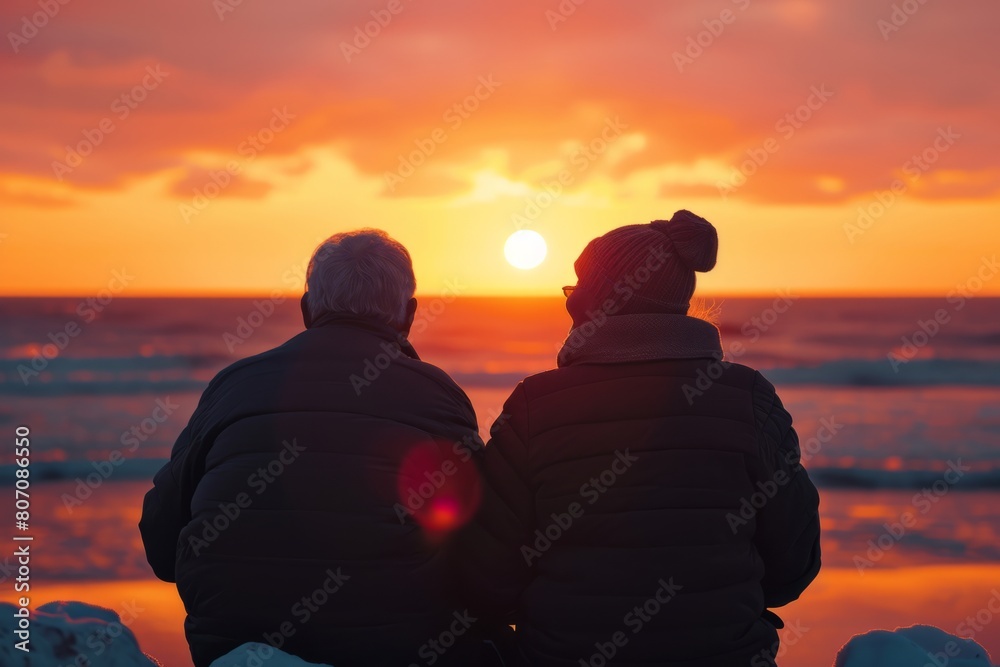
[645,512]
[280,514]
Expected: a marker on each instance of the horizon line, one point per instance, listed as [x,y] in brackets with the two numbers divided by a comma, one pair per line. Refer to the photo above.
[813,294]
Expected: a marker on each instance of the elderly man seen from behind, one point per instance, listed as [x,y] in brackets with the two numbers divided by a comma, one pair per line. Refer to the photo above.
[286,514]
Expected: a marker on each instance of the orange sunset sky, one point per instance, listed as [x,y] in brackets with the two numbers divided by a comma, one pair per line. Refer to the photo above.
[778,120]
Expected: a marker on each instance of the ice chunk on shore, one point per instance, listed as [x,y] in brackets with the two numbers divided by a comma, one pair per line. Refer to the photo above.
[915,646]
[255,653]
[62,632]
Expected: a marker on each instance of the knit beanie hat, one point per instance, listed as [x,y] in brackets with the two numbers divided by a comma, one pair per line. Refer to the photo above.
[656,263]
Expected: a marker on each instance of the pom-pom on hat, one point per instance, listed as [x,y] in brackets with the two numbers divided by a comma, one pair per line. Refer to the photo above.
[648,268]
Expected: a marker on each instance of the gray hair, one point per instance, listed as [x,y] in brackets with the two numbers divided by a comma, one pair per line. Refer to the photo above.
[365,272]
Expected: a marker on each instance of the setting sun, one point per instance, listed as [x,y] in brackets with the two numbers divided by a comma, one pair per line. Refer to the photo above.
[525,249]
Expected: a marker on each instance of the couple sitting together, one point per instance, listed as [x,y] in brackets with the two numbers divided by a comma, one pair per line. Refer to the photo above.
[641,504]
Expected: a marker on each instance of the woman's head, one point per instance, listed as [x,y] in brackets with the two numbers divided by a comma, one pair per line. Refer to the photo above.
[643,268]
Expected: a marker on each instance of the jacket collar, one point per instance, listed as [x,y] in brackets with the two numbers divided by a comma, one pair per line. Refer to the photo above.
[379,329]
[641,337]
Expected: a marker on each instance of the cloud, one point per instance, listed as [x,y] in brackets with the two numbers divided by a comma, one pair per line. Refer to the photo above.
[239,185]
[375,104]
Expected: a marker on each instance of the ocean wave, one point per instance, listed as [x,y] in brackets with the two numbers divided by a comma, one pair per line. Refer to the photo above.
[95,473]
[841,373]
[873,478]
[126,375]
[883,373]
[176,373]
[91,474]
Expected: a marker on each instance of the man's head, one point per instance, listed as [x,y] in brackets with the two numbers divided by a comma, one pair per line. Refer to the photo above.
[364,273]
[643,268]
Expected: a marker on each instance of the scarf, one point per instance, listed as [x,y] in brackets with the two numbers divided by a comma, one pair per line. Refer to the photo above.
[641,337]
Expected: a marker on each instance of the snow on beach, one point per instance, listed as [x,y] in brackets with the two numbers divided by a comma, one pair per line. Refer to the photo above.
[915,646]
[255,654]
[75,633]
[69,634]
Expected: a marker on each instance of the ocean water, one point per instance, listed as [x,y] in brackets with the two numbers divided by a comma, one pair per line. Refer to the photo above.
[896,401]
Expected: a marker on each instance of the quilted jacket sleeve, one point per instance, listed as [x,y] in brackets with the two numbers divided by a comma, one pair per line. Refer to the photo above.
[788,527]
[166,508]
[494,569]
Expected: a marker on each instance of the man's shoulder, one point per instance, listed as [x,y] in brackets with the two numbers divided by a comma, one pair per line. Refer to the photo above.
[245,372]
[430,371]
[360,361]
[426,379]
[260,360]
